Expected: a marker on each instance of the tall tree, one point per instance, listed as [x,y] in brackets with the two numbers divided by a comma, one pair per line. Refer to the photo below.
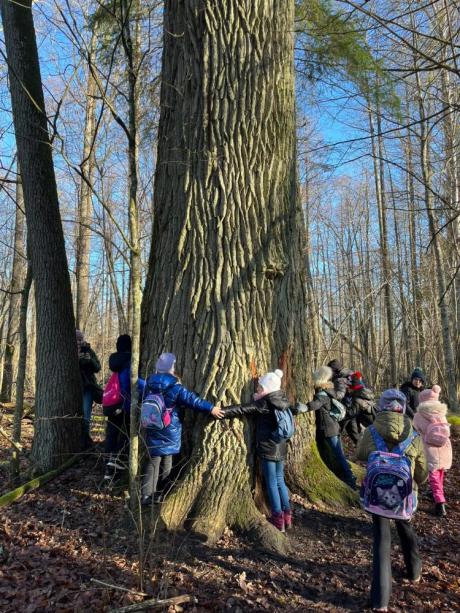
[82,265]
[58,390]
[226,288]
[17,282]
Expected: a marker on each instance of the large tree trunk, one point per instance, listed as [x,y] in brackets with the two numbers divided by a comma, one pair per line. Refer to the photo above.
[226,289]
[17,282]
[58,393]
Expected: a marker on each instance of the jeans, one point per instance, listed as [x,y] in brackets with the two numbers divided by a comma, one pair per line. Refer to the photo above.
[335,444]
[117,434]
[277,491]
[87,408]
[381,562]
[153,474]
[436,479]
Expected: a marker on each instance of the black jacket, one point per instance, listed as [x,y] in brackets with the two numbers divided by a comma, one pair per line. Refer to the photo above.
[326,425]
[89,365]
[266,436]
[119,360]
[412,394]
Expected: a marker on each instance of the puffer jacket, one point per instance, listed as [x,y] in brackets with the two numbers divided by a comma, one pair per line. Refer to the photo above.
[120,362]
[89,366]
[362,402]
[326,425]
[176,396]
[433,412]
[395,428]
[268,445]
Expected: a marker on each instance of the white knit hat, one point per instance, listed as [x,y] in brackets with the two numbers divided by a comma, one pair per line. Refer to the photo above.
[271,381]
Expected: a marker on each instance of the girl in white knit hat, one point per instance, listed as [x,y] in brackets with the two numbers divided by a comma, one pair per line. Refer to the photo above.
[274,428]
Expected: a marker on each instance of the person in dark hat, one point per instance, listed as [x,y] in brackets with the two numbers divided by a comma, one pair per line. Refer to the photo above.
[117,428]
[411,390]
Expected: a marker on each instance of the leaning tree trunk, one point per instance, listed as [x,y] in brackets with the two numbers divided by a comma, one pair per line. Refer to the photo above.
[58,392]
[226,288]
[17,281]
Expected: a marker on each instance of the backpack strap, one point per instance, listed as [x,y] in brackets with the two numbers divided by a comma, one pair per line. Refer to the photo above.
[401,447]
[378,440]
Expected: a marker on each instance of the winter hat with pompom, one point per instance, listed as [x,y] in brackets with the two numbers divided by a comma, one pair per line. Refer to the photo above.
[430,395]
[271,381]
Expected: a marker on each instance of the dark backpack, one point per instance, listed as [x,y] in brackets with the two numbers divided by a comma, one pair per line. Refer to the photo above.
[285,426]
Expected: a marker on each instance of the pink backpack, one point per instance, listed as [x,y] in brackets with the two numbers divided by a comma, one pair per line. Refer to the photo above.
[437,434]
[112,398]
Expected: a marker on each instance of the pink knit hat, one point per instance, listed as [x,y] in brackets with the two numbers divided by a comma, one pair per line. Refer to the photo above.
[430,395]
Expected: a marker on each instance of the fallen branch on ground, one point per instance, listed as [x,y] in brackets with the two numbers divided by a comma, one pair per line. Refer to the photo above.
[14,495]
[153,604]
[118,587]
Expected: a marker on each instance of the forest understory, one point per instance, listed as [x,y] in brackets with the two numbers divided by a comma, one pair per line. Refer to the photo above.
[56,540]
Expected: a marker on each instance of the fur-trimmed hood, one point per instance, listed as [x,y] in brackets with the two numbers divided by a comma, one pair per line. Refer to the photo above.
[432,409]
[327,385]
[323,376]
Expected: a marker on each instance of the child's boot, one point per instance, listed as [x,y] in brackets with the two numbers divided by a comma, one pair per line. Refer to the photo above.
[440,509]
[287,519]
[277,519]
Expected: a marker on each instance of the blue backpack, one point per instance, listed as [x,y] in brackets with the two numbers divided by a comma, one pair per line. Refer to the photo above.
[387,487]
[285,426]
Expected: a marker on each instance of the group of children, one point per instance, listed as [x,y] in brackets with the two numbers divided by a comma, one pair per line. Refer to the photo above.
[339,398]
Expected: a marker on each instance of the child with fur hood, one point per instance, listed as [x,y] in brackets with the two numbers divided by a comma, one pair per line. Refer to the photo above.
[327,427]
[431,422]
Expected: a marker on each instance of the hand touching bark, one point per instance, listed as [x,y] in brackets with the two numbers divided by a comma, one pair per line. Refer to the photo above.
[217,412]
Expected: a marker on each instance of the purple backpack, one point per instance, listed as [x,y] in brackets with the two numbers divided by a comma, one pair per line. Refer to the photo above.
[387,487]
[154,412]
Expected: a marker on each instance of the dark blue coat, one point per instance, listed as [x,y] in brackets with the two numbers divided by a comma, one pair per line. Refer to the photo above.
[176,396]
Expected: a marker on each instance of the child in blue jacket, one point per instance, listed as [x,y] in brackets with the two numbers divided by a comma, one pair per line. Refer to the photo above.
[163,444]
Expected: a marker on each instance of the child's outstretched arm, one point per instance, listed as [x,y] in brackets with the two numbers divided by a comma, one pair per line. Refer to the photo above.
[192,401]
[240,410]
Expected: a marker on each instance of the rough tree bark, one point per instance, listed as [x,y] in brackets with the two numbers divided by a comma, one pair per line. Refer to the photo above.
[226,288]
[58,390]
[17,282]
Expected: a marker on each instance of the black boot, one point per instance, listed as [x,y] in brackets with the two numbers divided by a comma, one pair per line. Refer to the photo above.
[440,509]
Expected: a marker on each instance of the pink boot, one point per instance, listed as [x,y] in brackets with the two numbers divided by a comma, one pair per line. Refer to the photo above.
[288,519]
[277,519]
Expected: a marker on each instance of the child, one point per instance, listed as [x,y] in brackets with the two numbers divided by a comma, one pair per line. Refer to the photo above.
[270,447]
[117,429]
[394,427]
[430,420]
[163,444]
[327,427]
[412,388]
[361,400]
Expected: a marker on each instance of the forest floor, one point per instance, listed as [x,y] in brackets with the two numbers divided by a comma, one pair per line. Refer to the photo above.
[54,541]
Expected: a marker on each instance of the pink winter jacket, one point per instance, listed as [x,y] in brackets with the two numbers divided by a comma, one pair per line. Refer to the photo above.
[433,411]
